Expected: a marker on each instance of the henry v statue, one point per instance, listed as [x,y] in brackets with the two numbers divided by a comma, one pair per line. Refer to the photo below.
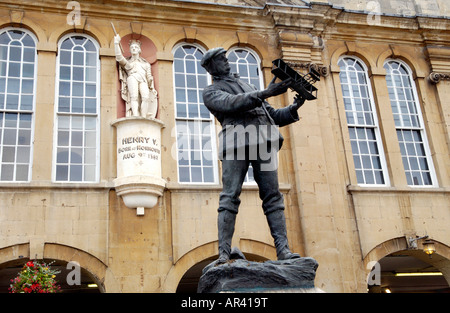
[137,86]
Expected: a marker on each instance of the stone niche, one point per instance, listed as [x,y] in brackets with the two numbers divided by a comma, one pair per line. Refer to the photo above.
[138,181]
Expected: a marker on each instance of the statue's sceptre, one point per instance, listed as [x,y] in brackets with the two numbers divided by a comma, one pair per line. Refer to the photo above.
[115,33]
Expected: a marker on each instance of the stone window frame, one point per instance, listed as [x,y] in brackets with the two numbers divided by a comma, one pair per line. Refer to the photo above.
[410,128]
[363,126]
[21,150]
[73,122]
[194,131]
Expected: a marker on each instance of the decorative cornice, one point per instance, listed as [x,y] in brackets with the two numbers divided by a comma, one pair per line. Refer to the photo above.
[437,77]
[322,70]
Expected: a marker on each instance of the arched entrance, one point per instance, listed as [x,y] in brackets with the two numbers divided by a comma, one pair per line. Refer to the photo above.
[69,278]
[189,281]
[397,267]
[90,270]
[409,271]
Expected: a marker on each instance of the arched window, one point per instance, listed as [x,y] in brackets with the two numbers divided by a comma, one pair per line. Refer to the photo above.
[408,120]
[76,157]
[196,148]
[247,64]
[367,149]
[17,90]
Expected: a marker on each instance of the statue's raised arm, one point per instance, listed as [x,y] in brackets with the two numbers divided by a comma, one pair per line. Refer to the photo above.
[118,51]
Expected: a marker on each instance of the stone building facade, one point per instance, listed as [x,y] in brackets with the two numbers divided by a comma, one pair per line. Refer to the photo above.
[365,169]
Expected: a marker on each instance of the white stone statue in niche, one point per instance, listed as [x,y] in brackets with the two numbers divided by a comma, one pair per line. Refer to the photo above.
[137,86]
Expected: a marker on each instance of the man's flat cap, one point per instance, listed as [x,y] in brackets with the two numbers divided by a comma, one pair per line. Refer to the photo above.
[211,54]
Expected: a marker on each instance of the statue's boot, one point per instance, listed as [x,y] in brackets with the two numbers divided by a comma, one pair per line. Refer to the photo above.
[277,225]
[225,222]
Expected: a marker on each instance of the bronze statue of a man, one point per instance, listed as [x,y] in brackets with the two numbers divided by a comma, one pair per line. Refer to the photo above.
[249,136]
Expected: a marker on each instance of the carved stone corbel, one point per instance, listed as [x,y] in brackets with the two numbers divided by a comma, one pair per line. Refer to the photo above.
[437,77]
[322,70]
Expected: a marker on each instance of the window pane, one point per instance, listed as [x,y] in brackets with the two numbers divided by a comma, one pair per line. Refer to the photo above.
[26,103]
[90,105]
[208,174]
[77,89]
[89,173]
[64,104]
[91,58]
[64,88]
[196,174]
[77,138]
[77,105]
[10,137]
[90,139]
[78,73]
[91,90]
[65,57]
[379,177]
[27,86]
[8,154]
[24,137]
[12,102]
[63,138]
[184,175]
[90,156]
[15,53]
[76,173]
[78,58]
[76,156]
[90,123]
[21,172]
[11,120]
[7,172]
[14,69]
[13,85]
[29,54]
[91,74]
[23,155]
[62,155]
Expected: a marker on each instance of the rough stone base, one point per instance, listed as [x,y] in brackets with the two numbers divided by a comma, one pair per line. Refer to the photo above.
[241,275]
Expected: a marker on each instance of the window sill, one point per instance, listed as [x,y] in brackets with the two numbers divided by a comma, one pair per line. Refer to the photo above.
[217,187]
[389,189]
[56,185]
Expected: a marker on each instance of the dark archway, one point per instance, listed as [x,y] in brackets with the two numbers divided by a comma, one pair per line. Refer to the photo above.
[86,284]
[410,271]
[189,281]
